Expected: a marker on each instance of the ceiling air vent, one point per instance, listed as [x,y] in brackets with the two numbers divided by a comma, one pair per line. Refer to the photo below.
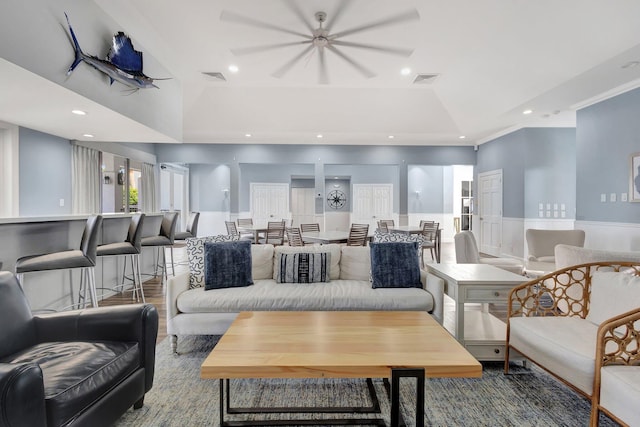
[215,76]
[425,79]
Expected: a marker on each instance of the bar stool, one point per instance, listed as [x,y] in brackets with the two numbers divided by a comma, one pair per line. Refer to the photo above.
[163,240]
[83,258]
[191,231]
[131,249]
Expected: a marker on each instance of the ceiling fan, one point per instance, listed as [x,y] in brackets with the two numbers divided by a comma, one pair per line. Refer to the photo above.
[322,38]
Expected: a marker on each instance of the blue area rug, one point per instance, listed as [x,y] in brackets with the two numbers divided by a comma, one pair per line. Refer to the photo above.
[526,397]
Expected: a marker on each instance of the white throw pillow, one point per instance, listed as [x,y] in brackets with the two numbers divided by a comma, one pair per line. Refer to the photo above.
[355,263]
[262,261]
[195,252]
[612,294]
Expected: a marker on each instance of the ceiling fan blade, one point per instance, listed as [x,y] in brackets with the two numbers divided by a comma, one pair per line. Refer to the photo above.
[384,49]
[410,15]
[293,7]
[280,72]
[337,14]
[323,72]
[245,20]
[263,48]
[361,68]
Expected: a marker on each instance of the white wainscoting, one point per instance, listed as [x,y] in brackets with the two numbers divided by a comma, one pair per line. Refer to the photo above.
[513,243]
[613,236]
[211,223]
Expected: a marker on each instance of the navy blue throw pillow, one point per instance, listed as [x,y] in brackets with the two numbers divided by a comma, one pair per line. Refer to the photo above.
[227,265]
[395,265]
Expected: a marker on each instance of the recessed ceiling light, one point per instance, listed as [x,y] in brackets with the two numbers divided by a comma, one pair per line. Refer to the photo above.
[319,135]
[405,71]
[248,135]
[391,137]
[462,137]
[87,135]
[527,112]
[79,112]
[233,68]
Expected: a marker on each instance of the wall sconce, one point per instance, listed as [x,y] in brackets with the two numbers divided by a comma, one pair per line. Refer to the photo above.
[417,192]
[226,193]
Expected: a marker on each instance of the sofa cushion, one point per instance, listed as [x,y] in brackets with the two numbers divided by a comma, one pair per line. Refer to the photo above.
[566,346]
[395,265]
[620,392]
[304,267]
[334,249]
[76,374]
[262,261]
[355,263]
[612,294]
[334,295]
[227,264]
[195,252]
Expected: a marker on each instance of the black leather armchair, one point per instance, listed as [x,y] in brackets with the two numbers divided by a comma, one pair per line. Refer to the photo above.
[74,368]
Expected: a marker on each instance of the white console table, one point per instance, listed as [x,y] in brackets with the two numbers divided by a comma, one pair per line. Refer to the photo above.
[479,331]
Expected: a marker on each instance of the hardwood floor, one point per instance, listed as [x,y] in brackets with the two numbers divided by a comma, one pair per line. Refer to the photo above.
[154,291]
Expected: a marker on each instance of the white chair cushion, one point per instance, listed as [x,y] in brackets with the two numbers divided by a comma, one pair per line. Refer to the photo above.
[612,294]
[620,392]
[564,345]
[355,263]
[333,249]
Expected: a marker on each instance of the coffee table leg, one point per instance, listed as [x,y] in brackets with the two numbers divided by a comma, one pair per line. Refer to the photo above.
[396,374]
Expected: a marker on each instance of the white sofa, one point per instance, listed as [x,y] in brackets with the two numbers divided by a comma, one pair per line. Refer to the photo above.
[588,340]
[199,312]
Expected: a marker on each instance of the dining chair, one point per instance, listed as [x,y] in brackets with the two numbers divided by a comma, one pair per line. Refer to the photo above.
[423,222]
[248,223]
[429,234]
[275,233]
[383,227]
[388,222]
[310,228]
[232,230]
[294,236]
[358,235]
[83,258]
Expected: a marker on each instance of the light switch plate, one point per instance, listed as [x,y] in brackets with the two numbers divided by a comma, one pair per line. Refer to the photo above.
[61,202]
[623,197]
[613,197]
[603,197]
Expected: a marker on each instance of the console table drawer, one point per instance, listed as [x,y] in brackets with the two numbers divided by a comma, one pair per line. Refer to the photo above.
[486,351]
[487,295]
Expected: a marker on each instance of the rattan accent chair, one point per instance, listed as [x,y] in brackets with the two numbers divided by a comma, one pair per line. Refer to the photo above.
[562,340]
[294,236]
[358,235]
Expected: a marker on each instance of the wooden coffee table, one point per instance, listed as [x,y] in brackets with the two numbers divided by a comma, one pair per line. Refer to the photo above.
[338,344]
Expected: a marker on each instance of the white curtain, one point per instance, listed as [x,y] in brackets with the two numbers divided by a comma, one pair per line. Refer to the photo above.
[148,190]
[85,180]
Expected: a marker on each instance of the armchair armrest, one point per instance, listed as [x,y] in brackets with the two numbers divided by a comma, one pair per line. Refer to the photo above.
[22,395]
[133,323]
[618,340]
[435,286]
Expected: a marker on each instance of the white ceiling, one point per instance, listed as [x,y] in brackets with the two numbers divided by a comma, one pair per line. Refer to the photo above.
[495,58]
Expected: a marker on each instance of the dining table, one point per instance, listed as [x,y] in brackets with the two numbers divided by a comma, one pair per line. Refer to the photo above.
[256,230]
[414,229]
[326,237]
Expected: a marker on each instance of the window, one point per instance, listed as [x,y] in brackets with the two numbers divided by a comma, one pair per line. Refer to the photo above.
[121,183]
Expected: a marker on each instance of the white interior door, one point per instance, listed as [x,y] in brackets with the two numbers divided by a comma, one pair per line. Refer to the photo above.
[372,202]
[490,190]
[269,202]
[173,193]
[303,206]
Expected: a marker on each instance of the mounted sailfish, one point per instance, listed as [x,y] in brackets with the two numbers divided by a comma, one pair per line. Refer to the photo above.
[123,62]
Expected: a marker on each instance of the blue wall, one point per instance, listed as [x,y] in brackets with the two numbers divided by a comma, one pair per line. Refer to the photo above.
[538,166]
[206,185]
[607,134]
[45,174]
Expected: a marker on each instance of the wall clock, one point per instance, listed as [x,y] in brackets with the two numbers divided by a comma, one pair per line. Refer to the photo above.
[336,199]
